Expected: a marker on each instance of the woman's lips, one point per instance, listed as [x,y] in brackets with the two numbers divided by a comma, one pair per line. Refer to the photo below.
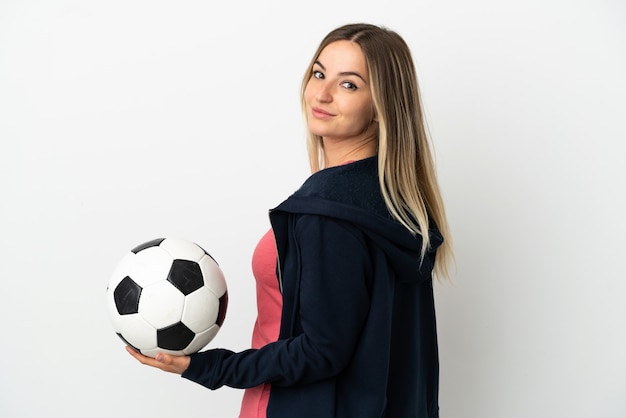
[321,113]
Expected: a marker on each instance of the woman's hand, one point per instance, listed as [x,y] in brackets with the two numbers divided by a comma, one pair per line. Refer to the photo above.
[165,362]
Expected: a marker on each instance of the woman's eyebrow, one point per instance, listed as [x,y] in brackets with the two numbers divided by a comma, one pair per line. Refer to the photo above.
[344,73]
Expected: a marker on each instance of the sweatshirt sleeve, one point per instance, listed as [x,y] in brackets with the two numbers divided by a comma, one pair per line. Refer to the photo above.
[335,272]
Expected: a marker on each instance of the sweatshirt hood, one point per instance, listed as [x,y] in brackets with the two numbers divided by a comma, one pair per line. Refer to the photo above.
[351,193]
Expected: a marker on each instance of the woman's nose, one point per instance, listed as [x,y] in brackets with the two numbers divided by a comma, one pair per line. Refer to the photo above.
[324,93]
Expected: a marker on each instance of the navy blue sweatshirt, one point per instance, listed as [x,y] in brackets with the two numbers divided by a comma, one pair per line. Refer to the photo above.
[358,334]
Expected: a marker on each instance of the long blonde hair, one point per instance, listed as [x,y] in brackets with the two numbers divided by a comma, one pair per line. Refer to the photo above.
[407,174]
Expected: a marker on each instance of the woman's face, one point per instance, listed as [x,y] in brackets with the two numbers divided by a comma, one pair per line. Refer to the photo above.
[338,100]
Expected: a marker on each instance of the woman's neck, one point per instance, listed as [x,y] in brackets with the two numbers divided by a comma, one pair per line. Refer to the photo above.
[339,153]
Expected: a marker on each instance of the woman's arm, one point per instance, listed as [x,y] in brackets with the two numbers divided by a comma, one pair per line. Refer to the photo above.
[334,273]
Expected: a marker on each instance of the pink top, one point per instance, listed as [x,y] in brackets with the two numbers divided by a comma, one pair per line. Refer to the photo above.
[267,325]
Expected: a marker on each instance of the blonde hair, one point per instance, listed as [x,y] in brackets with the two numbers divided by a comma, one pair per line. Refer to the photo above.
[407,174]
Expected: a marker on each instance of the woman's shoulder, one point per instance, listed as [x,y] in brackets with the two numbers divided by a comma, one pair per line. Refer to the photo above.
[354,184]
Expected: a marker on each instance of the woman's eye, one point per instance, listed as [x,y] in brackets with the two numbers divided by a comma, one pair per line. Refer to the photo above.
[318,74]
[349,85]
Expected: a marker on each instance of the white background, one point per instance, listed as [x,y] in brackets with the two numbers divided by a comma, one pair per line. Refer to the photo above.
[123,121]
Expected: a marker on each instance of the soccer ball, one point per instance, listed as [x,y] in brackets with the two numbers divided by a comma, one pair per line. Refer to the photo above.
[167,295]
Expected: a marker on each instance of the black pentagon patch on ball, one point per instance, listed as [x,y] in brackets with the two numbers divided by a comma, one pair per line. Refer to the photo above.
[221,315]
[186,276]
[175,337]
[126,296]
[153,243]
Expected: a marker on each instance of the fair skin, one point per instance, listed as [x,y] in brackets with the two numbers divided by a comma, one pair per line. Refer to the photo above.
[165,362]
[339,108]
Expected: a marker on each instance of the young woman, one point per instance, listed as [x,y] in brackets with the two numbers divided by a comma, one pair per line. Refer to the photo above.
[346,324]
